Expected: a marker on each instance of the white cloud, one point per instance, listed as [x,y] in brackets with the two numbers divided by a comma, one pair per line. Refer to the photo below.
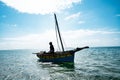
[30,41]
[118,15]
[13,25]
[40,6]
[4,16]
[74,38]
[72,16]
[81,22]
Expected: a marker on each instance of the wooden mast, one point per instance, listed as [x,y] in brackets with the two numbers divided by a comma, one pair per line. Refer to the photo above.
[56,22]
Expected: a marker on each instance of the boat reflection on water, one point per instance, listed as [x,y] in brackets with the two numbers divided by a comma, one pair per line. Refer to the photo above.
[69,65]
[57,71]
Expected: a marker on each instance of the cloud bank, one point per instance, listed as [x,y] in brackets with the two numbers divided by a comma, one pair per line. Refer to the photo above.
[74,38]
[40,6]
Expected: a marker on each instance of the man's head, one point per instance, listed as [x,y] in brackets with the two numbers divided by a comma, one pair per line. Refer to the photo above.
[50,43]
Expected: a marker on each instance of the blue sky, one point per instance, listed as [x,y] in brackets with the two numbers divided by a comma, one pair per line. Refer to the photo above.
[30,24]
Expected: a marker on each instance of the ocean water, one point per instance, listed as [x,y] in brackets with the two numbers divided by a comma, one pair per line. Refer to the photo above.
[100,63]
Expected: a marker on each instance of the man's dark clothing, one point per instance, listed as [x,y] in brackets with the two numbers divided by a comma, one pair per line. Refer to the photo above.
[51,48]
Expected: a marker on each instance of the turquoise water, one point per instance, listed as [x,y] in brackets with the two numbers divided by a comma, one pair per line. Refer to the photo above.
[101,63]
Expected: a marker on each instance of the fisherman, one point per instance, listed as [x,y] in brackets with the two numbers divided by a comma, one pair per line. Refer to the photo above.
[51,47]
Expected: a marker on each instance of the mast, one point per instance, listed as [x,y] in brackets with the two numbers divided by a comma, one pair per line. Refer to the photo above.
[56,22]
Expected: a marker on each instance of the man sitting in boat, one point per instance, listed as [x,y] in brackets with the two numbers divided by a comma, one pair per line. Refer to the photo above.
[51,47]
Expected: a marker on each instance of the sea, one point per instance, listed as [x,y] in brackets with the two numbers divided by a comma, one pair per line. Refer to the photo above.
[95,63]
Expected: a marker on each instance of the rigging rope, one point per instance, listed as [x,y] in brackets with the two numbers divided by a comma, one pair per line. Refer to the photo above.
[57,37]
[64,42]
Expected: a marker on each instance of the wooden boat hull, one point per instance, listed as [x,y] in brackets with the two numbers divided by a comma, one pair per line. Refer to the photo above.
[66,56]
[56,57]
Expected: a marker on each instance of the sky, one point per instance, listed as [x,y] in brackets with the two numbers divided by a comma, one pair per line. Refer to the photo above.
[30,24]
